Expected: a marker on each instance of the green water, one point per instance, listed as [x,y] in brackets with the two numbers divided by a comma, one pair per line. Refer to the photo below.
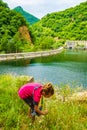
[67,67]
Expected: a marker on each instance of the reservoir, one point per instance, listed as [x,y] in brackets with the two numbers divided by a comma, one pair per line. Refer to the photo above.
[70,67]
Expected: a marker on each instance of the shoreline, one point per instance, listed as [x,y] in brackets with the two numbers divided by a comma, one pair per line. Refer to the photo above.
[29,55]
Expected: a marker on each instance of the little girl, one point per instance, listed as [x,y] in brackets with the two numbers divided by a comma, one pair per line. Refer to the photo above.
[31,93]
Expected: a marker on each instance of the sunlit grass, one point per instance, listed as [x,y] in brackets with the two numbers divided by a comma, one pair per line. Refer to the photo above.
[63,114]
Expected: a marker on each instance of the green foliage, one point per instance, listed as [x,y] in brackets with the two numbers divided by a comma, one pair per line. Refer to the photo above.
[58,44]
[3,4]
[68,24]
[45,42]
[69,115]
[13,44]
[10,22]
[29,18]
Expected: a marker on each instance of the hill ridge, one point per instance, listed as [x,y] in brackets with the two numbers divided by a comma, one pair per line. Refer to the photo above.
[29,17]
[70,24]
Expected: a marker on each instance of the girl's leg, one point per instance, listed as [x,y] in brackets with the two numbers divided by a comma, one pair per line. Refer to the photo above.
[29,101]
[30,115]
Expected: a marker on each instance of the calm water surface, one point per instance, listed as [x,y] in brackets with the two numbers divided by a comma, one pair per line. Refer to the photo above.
[68,67]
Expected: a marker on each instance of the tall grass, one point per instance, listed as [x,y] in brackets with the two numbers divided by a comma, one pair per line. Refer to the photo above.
[63,115]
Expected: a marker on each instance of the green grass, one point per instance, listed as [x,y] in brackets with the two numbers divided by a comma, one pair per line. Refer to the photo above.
[67,115]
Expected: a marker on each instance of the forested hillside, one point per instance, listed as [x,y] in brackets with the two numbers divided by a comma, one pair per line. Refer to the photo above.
[48,33]
[29,17]
[10,23]
[70,24]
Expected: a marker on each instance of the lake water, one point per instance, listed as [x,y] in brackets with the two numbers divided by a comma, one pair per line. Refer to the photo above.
[67,67]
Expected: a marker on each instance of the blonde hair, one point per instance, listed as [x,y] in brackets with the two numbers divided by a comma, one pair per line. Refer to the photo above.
[48,89]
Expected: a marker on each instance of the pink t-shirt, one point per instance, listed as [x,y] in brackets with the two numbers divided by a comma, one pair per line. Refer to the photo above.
[31,90]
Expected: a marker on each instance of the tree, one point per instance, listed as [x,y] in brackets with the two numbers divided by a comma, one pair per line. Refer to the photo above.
[5,43]
[46,42]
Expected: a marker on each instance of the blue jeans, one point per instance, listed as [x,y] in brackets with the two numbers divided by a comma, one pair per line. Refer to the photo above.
[30,102]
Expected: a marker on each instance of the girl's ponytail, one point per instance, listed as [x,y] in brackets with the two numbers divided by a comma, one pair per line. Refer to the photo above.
[48,88]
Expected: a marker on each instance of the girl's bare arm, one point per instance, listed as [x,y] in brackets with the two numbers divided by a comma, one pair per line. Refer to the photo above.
[39,111]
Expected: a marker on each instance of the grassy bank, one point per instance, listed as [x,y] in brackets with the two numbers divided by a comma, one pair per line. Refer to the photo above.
[63,115]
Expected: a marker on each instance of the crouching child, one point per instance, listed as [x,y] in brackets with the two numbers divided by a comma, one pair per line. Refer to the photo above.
[31,93]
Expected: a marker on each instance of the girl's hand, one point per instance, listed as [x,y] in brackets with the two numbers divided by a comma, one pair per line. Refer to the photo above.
[39,111]
[45,112]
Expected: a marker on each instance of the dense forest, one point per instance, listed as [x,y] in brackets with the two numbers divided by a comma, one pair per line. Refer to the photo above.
[48,33]
[10,22]
[70,24]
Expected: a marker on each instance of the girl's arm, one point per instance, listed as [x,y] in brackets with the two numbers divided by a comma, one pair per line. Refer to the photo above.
[39,111]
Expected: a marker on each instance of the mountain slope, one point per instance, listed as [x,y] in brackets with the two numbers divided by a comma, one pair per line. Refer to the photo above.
[29,18]
[14,31]
[68,24]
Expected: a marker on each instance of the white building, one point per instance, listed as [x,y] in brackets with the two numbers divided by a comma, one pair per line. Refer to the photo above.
[76,44]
